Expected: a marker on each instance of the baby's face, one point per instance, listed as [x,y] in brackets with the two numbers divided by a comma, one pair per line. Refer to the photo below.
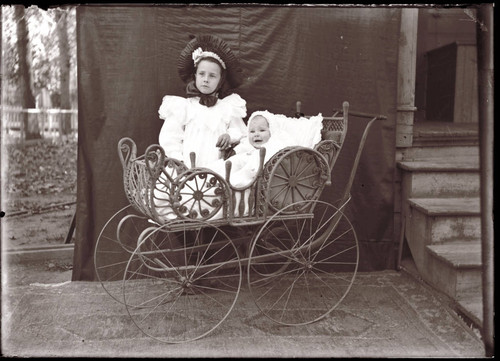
[258,132]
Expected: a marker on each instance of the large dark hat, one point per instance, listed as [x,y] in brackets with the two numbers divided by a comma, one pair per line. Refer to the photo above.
[203,44]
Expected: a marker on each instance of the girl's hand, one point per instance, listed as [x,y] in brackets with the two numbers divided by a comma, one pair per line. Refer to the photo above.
[224,142]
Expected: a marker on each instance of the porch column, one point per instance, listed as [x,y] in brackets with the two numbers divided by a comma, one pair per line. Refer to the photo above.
[484,33]
[407,59]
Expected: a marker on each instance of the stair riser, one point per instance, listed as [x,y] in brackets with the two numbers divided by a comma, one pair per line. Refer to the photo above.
[447,229]
[457,283]
[426,229]
[442,184]
[424,153]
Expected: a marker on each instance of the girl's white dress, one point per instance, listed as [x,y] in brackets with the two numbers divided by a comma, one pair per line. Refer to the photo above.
[192,127]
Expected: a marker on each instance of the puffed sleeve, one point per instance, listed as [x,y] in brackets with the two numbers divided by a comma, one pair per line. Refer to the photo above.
[173,111]
[235,110]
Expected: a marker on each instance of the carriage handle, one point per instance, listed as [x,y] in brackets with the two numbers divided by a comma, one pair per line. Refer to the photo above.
[373,117]
[364,115]
[347,193]
[341,111]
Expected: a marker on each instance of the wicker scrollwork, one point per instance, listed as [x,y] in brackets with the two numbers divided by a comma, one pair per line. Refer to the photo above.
[329,149]
[200,194]
[126,150]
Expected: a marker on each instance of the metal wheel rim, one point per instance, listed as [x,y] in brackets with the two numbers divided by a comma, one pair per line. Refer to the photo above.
[108,271]
[156,315]
[259,293]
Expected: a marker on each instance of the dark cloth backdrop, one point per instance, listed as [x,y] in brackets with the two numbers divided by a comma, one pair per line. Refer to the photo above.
[321,56]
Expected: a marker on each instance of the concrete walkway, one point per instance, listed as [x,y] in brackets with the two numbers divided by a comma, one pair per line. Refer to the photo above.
[385,314]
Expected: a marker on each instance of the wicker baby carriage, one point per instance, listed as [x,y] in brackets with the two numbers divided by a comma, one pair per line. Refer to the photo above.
[179,273]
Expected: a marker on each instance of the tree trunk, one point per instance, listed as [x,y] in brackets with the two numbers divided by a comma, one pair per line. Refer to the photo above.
[64,65]
[31,128]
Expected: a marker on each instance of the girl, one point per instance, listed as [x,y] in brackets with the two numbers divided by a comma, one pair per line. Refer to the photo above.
[210,119]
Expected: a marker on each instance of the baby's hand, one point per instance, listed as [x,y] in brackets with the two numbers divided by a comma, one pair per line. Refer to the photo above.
[224,142]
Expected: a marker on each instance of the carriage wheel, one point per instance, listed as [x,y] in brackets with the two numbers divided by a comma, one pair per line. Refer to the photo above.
[271,241]
[115,243]
[321,263]
[200,194]
[297,175]
[172,286]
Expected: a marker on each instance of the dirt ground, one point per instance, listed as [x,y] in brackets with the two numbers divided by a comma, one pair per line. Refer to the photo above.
[43,272]
[39,192]
[41,224]
[38,199]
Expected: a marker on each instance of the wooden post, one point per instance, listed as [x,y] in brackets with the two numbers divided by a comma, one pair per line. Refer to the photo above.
[23,115]
[407,59]
[484,26]
[406,77]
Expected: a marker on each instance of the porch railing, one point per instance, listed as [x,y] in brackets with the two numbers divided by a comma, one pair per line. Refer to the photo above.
[49,123]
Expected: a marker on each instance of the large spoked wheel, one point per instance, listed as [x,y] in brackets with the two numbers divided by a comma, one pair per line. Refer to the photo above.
[271,241]
[115,244]
[308,269]
[182,282]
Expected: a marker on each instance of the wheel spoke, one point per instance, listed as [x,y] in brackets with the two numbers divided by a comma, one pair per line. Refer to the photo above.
[303,178]
[284,170]
[275,184]
[281,177]
[331,242]
[307,186]
[306,167]
[300,193]
[189,186]
[280,191]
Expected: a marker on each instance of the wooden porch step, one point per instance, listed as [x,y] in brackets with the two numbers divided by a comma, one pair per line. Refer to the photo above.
[441,178]
[439,220]
[427,133]
[443,140]
[458,164]
[447,206]
[459,255]
[455,268]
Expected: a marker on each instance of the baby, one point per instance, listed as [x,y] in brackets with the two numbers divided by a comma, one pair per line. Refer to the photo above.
[245,163]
